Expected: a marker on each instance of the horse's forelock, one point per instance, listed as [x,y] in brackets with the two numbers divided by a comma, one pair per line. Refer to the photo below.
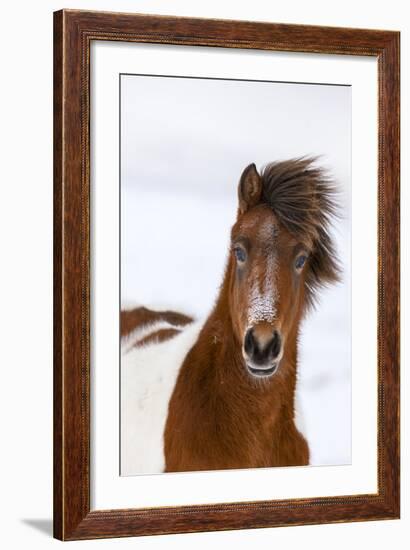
[303,197]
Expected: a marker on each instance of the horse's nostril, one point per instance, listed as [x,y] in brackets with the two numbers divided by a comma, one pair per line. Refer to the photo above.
[249,343]
[275,344]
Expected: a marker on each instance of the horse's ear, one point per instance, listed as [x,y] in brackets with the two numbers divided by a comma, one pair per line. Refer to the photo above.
[249,188]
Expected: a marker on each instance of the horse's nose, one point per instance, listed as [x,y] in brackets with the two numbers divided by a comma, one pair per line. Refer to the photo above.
[262,348]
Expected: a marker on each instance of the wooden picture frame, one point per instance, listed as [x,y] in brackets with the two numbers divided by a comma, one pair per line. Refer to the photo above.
[74,32]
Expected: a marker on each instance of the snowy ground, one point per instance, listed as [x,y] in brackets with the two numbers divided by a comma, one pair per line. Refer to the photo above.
[184,145]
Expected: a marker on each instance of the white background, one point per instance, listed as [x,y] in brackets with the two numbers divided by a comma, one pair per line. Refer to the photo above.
[26,301]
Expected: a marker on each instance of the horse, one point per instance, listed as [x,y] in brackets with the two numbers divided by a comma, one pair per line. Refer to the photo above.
[220,394]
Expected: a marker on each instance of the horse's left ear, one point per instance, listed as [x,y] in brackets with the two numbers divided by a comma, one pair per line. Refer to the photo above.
[249,188]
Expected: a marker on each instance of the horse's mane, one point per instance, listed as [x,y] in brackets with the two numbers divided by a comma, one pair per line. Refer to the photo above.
[303,197]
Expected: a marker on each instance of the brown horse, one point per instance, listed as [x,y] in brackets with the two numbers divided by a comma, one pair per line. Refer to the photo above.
[221,394]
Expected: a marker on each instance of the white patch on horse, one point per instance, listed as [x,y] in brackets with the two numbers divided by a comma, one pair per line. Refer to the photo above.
[148,377]
[263,297]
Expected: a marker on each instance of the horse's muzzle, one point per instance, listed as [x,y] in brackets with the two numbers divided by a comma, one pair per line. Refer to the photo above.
[262,352]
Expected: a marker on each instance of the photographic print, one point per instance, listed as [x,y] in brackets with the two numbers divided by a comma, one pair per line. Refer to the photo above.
[235,274]
[226,275]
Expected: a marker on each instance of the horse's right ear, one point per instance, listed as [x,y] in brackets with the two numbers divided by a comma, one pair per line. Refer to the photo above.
[249,188]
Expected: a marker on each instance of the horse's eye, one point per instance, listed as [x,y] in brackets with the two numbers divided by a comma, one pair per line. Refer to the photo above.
[240,254]
[300,261]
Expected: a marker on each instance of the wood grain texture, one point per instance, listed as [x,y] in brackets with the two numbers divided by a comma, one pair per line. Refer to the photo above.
[58,277]
[73,32]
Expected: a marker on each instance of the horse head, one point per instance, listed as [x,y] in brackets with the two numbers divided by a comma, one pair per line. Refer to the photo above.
[281,254]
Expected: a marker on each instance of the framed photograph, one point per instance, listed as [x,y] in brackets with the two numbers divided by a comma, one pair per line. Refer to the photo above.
[226,275]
